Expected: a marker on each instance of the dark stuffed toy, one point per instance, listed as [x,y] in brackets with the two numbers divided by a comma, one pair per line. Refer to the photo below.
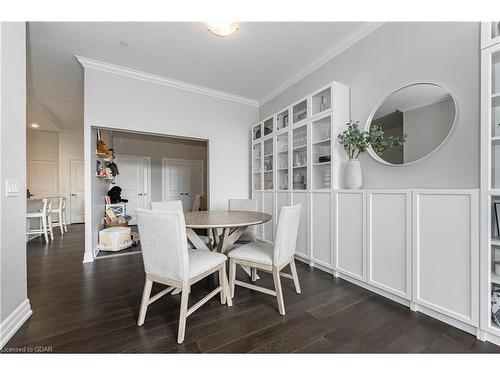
[115,195]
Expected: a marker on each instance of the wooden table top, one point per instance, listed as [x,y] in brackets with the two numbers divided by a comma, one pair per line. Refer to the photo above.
[224,219]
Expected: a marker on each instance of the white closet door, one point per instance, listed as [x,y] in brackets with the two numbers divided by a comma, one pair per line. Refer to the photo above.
[182,180]
[77,192]
[302,248]
[133,179]
[446,252]
[389,241]
[322,250]
[43,178]
[349,233]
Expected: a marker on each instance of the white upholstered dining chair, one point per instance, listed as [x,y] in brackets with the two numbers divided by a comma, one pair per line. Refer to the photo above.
[167,261]
[250,234]
[270,257]
[177,205]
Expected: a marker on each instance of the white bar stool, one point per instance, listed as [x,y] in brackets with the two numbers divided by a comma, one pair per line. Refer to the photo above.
[60,210]
[45,220]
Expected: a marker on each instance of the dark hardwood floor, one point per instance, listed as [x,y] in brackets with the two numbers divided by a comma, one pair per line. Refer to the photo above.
[84,308]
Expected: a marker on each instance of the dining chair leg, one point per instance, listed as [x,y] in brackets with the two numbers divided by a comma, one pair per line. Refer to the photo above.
[145,301]
[225,286]
[60,217]
[232,276]
[183,313]
[279,292]
[64,221]
[254,274]
[295,276]
[51,229]
[222,272]
[44,228]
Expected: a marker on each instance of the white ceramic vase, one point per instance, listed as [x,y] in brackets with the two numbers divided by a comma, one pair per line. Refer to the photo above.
[353,178]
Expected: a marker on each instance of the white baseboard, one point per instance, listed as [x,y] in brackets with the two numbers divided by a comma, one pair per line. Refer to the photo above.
[14,321]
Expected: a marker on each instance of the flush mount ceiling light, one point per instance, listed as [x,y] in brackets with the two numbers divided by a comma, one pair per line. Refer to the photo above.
[36,126]
[223,28]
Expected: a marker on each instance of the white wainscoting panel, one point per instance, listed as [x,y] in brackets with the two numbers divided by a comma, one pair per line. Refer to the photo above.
[389,241]
[349,233]
[322,249]
[446,252]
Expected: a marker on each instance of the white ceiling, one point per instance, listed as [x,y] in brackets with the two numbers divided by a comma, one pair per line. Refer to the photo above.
[255,63]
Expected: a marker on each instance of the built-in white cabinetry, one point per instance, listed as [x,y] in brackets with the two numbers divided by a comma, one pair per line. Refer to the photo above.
[490,176]
[418,247]
[268,208]
[445,253]
[303,235]
[349,229]
[388,241]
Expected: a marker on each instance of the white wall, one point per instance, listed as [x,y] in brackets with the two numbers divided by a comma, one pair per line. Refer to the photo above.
[395,55]
[157,148]
[118,102]
[14,305]
[42,145]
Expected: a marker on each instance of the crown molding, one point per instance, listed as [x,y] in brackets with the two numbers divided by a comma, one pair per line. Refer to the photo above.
[340,47]
[160,80]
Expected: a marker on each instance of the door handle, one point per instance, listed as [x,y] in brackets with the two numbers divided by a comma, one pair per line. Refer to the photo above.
[140,194]
[73,195]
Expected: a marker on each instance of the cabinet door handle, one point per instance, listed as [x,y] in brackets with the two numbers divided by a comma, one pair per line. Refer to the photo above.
[140,194]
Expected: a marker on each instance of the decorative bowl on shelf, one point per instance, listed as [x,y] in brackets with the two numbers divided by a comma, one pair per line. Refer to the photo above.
[324,159]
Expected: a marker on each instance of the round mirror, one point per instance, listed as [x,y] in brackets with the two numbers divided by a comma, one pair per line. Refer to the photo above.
[424,112]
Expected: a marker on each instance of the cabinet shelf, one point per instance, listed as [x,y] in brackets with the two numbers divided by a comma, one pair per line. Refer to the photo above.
[495,241]
[269,171]
[323,163]
[299,147]
[327,140]
[495,140]
[300,166]
[104,177]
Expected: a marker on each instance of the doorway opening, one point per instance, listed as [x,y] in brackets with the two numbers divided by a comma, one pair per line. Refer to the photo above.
[147,168]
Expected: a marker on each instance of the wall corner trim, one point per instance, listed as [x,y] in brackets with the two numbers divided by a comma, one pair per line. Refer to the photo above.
[14,321]
[346,42]
[160,80]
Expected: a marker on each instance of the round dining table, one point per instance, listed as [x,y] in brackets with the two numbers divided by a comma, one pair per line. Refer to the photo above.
[232,223]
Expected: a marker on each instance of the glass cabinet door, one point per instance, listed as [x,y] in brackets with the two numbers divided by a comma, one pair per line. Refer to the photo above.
[322,151]
[299,158]
[300,111]
[282,120]
[268,164]
[322,101]
[268,126]
[257,132]
[257,166]
[282,160]
[495,119]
